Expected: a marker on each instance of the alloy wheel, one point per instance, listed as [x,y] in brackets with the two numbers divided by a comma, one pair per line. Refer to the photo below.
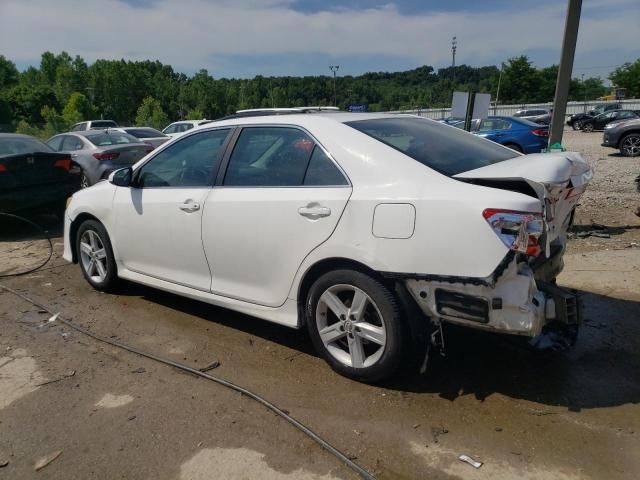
[631,146]
[93,256]
[588,127]
[350,326]
[84,181]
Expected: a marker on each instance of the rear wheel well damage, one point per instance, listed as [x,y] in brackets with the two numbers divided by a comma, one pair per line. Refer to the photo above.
[417,323]
[73,232]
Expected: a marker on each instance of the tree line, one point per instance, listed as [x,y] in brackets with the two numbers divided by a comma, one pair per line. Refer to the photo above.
[64,90]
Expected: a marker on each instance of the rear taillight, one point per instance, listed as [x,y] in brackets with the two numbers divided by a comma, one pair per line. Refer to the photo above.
[63,163]
[519,231]
[540,132]
[106,155]
[3,168]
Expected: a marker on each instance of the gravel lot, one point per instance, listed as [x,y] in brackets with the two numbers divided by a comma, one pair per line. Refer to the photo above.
[109,414]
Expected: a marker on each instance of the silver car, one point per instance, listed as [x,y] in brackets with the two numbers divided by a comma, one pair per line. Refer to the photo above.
[99,152]
[148,135]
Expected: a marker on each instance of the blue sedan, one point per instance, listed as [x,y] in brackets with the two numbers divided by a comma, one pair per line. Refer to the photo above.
[516,133]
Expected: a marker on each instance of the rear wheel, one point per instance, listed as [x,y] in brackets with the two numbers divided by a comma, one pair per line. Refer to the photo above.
[576,125]
[95,256]
[587,127]
[84,181]
[630,145]
[355,323]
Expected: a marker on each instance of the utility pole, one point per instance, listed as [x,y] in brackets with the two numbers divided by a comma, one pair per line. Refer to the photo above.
[334,69]
[495,105]
[454,47]
[564,71]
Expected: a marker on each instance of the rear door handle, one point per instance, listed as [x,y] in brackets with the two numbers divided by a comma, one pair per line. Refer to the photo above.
[314,212]
[189,206]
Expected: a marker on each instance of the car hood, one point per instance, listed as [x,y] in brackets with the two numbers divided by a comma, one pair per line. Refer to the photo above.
[558,179]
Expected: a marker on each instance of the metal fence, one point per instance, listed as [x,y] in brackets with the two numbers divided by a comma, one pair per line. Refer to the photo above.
[572,108]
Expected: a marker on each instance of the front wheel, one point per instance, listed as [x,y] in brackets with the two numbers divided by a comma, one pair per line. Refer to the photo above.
[630,145]
[587,127]
[95,256]
[355,323]
[576,125]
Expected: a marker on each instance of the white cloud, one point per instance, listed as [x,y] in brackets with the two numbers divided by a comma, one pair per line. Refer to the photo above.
[189,34]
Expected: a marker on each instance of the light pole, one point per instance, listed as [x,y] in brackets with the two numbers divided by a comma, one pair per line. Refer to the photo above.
[454,47]
[334,69]
[495,105]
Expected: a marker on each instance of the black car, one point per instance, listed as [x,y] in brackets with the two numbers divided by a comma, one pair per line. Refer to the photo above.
[34,178]
[576,120]
[598,123]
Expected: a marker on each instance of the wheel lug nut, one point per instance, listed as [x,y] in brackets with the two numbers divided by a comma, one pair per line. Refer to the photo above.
[343,317]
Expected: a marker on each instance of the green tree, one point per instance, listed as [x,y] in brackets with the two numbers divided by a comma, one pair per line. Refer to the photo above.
[25,128]
[519,80]
[8,73]
[628,76]
[195,114]
[77,109]
[54,122]
[150,114]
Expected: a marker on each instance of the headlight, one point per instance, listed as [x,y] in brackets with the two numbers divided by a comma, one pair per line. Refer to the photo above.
[611,125]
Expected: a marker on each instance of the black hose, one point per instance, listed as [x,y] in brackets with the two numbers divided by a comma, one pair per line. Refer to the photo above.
[307,431]
[46,236]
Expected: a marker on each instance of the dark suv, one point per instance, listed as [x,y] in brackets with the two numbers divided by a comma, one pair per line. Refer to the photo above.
[624,136]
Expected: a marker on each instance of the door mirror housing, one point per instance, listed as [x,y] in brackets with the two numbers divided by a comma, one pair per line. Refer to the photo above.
[122,177]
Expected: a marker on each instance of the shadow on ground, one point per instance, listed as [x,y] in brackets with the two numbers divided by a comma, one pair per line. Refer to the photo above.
[602,370]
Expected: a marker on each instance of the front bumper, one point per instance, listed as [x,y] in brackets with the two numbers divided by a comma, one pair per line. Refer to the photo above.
[521,301]
[609,140]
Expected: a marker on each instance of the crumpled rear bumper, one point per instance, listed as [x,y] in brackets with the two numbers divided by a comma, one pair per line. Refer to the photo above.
[519,301]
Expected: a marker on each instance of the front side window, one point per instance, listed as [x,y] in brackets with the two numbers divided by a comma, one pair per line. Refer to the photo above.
[170,129]
[79,127]
[190,162]
[278,157]
[447,150]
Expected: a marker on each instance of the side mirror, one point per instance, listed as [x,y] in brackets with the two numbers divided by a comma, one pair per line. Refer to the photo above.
[122,177]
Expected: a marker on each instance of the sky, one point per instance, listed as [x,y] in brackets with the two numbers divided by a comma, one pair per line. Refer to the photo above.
[244,38]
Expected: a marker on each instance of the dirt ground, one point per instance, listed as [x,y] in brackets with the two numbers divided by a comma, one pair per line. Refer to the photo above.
[524,414]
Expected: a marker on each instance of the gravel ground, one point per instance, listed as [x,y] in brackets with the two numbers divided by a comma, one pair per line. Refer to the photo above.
[613,196]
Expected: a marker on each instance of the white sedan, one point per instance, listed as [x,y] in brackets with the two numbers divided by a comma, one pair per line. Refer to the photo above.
[369,230]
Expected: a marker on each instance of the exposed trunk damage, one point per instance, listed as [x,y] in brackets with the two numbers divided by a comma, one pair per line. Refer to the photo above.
[523,299]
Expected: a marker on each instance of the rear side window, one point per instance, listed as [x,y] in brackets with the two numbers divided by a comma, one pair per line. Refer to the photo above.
[114,138]
[322,171]
[445,149]
[71,143]
[55,143]
[279,157]
[494,124]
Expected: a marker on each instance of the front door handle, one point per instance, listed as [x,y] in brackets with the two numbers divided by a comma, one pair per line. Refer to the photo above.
[189,206]
[314,212]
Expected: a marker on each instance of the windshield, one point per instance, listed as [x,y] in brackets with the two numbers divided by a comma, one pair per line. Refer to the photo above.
[112,138]
[446,149]
[19,145]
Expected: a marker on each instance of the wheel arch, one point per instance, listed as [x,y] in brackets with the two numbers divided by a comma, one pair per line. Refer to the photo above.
[635,131]
[323,266]
[73,231]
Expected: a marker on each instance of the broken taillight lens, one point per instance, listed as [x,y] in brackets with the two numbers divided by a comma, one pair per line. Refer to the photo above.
[519,231]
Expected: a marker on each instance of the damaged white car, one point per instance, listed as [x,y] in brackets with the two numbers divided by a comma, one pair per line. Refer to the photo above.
[369,230]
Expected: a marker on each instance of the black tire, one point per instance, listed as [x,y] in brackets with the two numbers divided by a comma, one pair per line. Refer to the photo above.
[576,125]
[111,280]
[84,181]
[630,145]
[513,146]
[390,358]
[587,127]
